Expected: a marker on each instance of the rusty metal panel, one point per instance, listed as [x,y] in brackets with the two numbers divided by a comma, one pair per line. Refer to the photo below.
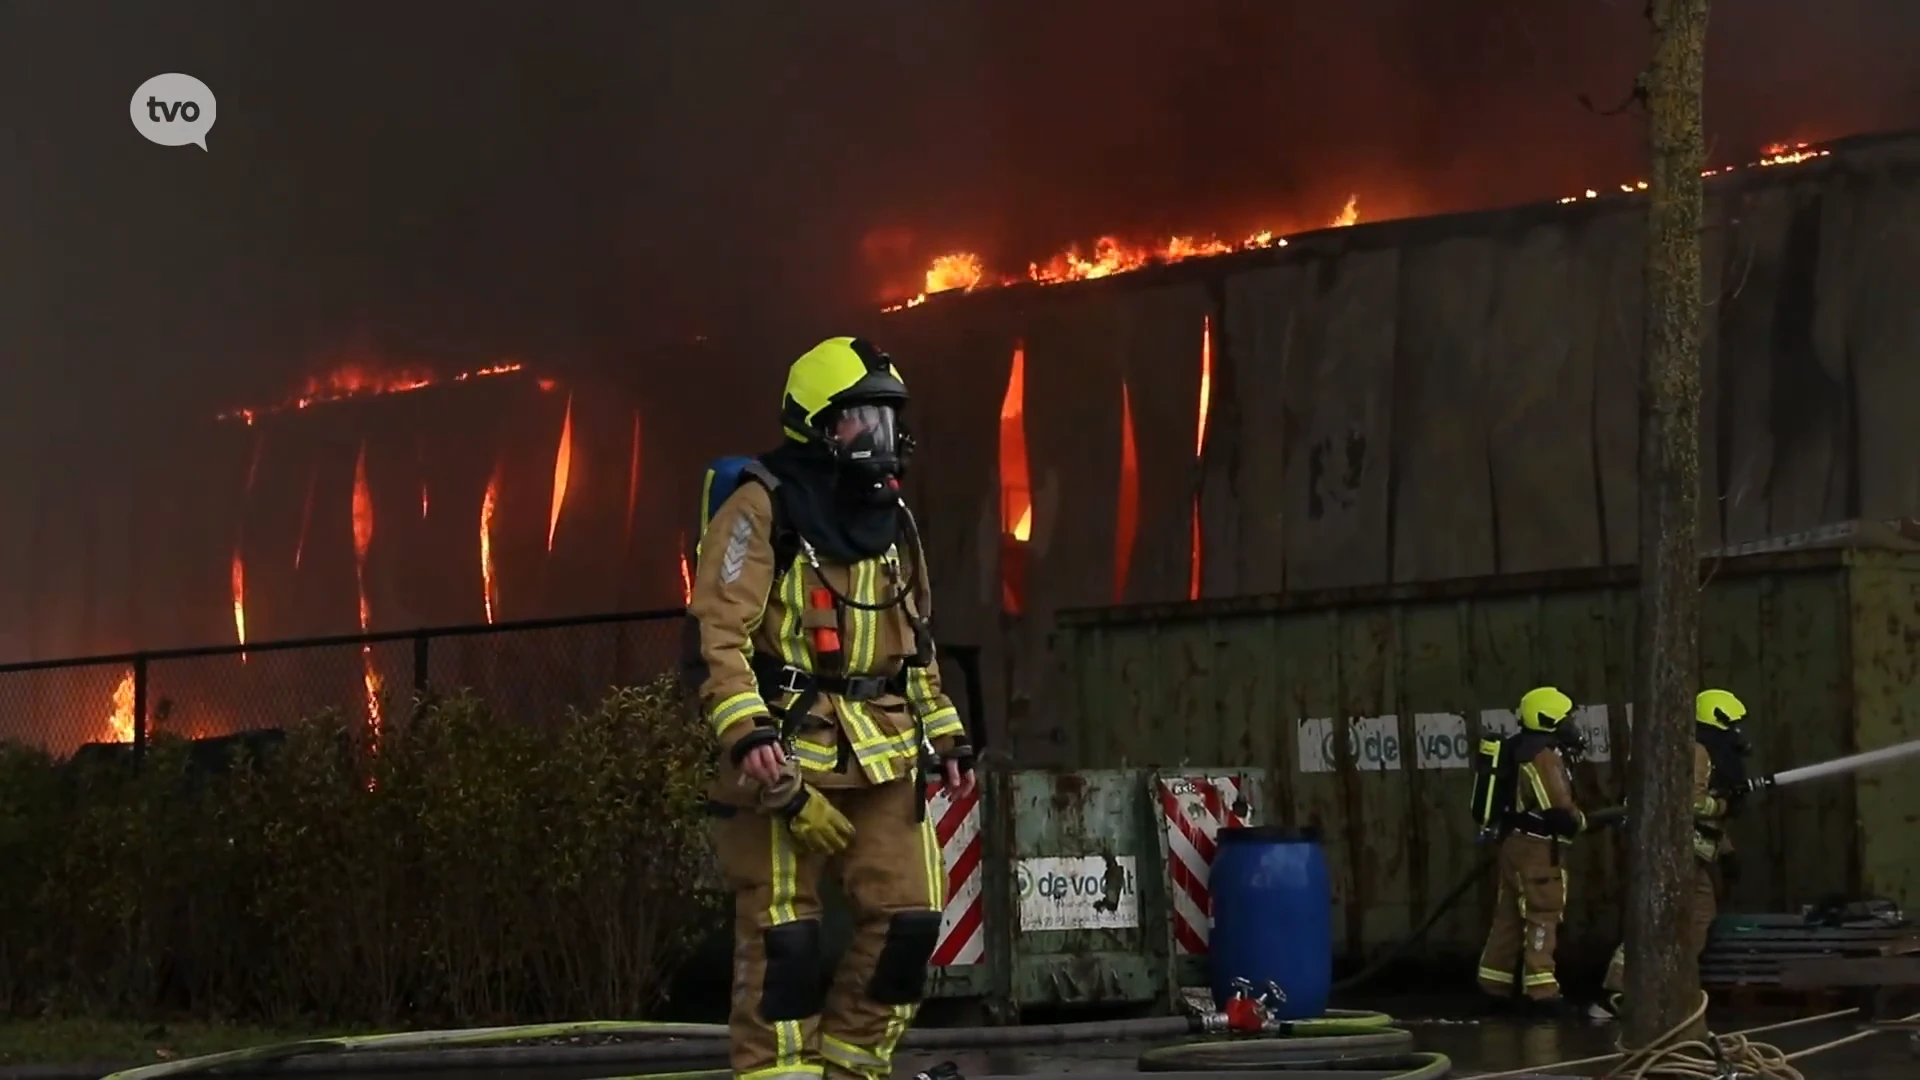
[1800,674]
[1363,706]
[1089,891]
[1885,616]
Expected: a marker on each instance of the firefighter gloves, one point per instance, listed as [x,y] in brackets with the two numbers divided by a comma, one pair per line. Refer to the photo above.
[817,824]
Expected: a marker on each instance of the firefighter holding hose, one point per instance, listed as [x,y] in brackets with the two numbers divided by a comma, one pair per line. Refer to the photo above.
[815,666]
[1523,797]
[1720,785]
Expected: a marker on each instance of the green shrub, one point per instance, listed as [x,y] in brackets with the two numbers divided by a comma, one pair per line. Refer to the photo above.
[458,867]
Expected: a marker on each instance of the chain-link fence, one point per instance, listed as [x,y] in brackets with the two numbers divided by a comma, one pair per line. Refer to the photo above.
[530,671]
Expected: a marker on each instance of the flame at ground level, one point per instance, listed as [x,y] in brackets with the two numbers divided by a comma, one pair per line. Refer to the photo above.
[120,720]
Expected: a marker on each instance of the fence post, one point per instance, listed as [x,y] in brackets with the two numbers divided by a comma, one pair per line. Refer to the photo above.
[420,666]
[139,708]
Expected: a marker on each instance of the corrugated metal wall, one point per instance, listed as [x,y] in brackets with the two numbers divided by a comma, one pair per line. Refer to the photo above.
[1815,642]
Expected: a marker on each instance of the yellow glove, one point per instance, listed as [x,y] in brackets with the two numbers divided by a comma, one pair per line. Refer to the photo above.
[817,824]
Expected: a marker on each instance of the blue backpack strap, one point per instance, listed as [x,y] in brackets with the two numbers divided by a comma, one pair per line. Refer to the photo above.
[723,478]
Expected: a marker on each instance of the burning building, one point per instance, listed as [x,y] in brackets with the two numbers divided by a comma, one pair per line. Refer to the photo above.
[1402,402]
[1134,424]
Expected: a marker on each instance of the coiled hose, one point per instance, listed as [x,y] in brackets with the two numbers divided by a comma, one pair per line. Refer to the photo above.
[688,1044]
[1331,1048]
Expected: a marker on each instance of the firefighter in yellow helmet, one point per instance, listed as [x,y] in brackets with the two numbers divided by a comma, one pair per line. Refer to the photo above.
[1719,787]
[815,666]
[1536,820]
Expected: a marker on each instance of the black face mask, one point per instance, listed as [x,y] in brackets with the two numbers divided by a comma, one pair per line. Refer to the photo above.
[1573,745]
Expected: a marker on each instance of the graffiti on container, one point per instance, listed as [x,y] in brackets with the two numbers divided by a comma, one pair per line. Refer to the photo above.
[1441,740]
[1092,892]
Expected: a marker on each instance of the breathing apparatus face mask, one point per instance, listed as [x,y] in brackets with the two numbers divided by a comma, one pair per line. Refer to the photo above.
[869,449]
[1572,743]
[1735,735]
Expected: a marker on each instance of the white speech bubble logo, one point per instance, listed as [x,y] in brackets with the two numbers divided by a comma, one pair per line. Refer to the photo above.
[173,110]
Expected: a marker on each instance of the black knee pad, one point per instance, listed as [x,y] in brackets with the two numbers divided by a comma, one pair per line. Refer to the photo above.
[900,975]
[790,987]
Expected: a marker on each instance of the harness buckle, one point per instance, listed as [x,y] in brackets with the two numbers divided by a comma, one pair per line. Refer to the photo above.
[792,680]
[864,687]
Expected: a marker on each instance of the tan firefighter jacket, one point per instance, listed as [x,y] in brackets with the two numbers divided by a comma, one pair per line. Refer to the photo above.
[1545,783]
[741,612]
[1710,839]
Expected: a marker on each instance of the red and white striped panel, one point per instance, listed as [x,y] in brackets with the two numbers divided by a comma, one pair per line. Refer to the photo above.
[957,824]
[1194,808]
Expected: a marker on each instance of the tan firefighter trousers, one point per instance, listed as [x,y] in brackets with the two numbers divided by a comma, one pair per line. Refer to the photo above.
[1526,919]
[782,1026]
[1698,906]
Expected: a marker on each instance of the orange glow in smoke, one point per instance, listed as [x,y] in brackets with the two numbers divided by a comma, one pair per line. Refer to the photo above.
[306,516]
[562,465]
[358,378]
[362,541]
[686,571]
[120,721]
[1127,518]
[239,577]
[1200,448]
[489,588]
[1016,489]
[633,487]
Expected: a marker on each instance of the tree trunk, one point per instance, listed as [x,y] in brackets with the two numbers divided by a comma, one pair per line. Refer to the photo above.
[1663,985]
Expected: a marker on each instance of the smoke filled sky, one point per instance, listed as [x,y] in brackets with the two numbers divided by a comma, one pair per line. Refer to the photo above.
[580,182]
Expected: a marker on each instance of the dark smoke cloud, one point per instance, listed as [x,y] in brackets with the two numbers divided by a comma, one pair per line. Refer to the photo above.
[592,183]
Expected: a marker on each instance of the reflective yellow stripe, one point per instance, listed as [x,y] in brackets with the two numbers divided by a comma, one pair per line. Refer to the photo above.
[1541,801]
[795,650]
[1542,979]
[737,707]
[866,624]
[943,722]
[784,888]
[783,1072]
[845,1054]
[920,689]
[815,756]
[1496,976]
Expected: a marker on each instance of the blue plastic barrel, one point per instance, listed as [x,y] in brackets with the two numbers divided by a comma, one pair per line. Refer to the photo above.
[1272,917]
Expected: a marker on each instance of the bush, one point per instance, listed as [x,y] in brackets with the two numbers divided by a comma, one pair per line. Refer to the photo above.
[460,868]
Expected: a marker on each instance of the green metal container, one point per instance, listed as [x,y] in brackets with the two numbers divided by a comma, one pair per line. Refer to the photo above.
[1075,889]
[1822,646]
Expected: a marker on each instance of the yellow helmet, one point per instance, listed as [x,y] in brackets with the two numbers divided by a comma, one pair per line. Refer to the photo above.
[1543,708]
[1718,708]
[845,396]
[837,372]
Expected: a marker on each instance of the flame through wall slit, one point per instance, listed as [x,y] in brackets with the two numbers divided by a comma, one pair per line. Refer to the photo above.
[1016,485]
